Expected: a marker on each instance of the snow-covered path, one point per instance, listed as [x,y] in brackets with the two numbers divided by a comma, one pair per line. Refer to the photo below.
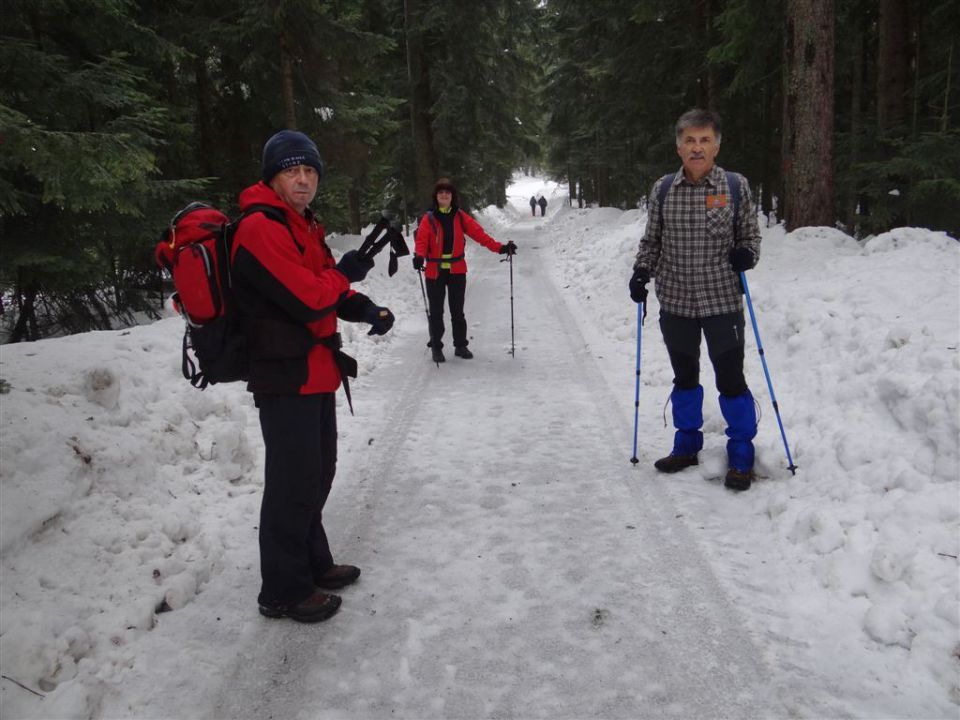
[515,564]
[582,596]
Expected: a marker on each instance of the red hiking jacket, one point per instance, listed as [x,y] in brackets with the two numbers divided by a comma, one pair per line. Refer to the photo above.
[288,288]
[428,242]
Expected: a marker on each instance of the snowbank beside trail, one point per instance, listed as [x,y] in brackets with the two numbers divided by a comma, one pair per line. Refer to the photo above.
[862,345]
[124,491]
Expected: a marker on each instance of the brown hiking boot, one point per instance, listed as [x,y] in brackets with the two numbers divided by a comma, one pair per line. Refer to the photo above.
[337,577]
[738,480]
[675,463]
[315,608]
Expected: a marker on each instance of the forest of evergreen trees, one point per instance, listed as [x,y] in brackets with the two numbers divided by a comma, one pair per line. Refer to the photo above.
[113,113]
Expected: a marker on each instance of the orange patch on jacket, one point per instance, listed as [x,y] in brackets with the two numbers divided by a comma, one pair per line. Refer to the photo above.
[716,201]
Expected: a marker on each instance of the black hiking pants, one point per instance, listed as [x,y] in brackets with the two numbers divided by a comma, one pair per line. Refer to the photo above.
[456,286]
[724,336]
[300,436]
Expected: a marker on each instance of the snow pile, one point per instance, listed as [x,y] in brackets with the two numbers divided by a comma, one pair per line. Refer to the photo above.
[123,491]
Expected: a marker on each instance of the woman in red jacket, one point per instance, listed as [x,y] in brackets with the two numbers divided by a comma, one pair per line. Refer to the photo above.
[439,252]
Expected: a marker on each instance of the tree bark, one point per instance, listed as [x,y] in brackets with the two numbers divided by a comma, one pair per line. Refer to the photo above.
[353,204]
[205,138]
[945,117]
[25,329]
[286,70]
[702,13]
[424,155]
[893,64]
[808,113]
[856,122]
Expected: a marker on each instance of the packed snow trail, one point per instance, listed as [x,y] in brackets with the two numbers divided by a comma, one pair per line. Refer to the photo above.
[585,596]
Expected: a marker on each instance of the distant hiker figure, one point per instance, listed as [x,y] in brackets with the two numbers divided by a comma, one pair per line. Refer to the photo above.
[291,292]
[543,206]
[439,251]
[696,255]
[533,205]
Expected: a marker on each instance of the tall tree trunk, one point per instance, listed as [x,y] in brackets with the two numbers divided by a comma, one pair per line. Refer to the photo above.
[769,160]
[204,117]
[286,74]
[945,117]
[26,327]
[808,113]
[856,122]
[424,155]
[353,205]
[702,14]
[893,64]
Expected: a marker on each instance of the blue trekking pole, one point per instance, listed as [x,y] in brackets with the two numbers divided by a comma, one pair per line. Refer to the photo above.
[763,360]
[636,394]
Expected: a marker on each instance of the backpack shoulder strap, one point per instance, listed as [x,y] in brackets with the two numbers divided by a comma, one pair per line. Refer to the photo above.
[733,182]
[666,182]
[275,214]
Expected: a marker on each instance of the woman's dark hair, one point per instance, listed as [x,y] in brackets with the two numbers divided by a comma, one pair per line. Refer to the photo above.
[446,183]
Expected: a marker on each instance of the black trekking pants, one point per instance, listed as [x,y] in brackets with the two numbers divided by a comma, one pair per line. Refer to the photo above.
[456,286]
[300,436]
[724,335]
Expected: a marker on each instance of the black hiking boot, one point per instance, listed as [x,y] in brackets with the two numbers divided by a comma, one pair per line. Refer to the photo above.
[462,352]
[675,463]
[337,576]
[437,354]
[737,480]
[316,608]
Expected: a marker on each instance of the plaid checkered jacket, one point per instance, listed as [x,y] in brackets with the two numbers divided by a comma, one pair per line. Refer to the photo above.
[689,254]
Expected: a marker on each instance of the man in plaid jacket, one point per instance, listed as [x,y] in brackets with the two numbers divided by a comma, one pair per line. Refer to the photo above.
[694,253]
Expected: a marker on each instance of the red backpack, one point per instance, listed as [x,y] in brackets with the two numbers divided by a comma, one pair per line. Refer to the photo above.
[195,250]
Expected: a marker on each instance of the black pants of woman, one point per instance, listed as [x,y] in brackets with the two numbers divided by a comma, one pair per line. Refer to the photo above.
[456,287]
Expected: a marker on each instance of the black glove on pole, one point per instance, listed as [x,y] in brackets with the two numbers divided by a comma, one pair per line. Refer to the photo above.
[638,288]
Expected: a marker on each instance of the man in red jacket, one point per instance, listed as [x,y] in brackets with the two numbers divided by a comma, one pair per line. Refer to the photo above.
[291,292]
[439,251]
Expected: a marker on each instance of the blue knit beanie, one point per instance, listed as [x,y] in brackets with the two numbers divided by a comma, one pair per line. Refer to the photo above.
[289,148]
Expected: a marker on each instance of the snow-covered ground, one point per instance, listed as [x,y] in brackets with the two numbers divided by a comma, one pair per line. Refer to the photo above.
[515,563]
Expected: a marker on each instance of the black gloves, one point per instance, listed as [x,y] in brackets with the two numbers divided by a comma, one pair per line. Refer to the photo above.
[418,261]
[354,266]
[508,249]
[380,319]
[741,259]
[638,285]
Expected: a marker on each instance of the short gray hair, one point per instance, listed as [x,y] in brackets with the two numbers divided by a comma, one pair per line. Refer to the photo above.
[698,118]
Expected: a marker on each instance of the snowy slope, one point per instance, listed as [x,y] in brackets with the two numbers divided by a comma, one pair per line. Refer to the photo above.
[129,500]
